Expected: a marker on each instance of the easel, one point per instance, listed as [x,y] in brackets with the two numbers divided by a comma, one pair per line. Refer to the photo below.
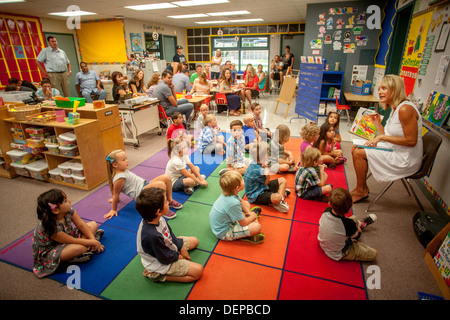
[287,93]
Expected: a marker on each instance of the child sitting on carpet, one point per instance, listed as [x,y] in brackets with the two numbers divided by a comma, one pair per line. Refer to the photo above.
[331,155]
[263,132]
[181,178]
[311,178]
[210,141]
[231,217]
[309,133]
[56,240]
[164,256]
[122,180]
[236,159]
[280,159]
[259,189]
[250,133]
[177,127]
[198,124]
[338,234]
[333,118]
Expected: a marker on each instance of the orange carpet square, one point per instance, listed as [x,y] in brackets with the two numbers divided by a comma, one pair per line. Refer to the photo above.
[231,279]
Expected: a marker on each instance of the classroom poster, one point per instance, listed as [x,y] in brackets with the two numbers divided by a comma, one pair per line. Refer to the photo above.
[437,108]
[415,44]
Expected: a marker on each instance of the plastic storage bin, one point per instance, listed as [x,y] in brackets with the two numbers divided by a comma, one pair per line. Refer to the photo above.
[55,174]
[77,169]
[69,151]
[18,156]
[11,96]
[38,170]
[66,167]
[67,178]
[79,180]
[67,139]
[20,169]
[52,148]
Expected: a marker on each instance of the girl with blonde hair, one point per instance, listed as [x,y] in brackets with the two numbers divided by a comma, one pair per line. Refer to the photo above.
[121,180]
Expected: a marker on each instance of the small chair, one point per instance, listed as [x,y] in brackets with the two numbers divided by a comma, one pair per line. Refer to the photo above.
[431,144]
[262,92]
[163,118]
[341,107]
[221,100]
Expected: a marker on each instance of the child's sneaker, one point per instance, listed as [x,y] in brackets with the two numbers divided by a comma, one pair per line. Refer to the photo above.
[257,210]
[188,190]
[281,206]
[85,257]
[287,192]
[170,215]
[257,238]
[369,219]
[175,204]
[291,169]
[221,172]
[99,234]
[154,276]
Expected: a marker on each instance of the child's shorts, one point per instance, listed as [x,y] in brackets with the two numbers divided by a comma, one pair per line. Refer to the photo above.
[360,252]
[236,231]
[210,148]
[179,184]
[265,197]
[312,193]
[180,267]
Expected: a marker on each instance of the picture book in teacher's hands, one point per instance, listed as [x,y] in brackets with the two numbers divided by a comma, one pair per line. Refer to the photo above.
[363,125]
[360,143]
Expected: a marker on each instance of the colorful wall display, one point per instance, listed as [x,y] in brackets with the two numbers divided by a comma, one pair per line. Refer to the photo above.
[414,49]
[21,40]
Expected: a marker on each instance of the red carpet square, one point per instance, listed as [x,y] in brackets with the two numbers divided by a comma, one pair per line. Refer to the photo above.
[309,210]
[301,287]
[305,256]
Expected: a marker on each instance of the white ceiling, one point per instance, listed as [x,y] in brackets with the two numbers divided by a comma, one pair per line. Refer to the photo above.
[272,11]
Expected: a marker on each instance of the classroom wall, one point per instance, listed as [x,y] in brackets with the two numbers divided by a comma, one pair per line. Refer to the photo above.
[362,55]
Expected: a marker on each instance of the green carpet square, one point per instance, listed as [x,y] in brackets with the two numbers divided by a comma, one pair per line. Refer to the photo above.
[209,194]
[130,284]
[193,221]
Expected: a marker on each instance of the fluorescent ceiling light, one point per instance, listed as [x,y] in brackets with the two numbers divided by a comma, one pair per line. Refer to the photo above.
[152,6]
[11,1]
[187,16]
[212,22]
[247,20]
[191,3]
[72,13]
[227,13]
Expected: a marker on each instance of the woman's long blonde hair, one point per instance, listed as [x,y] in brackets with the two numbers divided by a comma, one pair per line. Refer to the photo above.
[396,89]
[110,159]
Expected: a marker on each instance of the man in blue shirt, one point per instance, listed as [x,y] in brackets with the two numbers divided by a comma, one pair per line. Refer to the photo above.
[87,82]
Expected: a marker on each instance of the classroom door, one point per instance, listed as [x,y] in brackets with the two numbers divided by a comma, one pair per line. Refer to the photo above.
[170,47]
[294,41]
[67,43]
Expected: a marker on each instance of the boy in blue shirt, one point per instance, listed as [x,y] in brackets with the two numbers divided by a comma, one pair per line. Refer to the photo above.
[259,189]
[231,217]
[164,256]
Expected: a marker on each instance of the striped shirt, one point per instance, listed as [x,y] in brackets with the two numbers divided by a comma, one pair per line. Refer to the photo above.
[306,178]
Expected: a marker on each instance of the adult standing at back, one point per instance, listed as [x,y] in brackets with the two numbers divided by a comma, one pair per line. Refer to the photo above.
[216,61]
[57,65]
[179,56]
[288,59]
[87,82]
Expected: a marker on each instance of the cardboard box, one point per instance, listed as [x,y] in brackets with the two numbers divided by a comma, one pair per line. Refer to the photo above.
[430,251]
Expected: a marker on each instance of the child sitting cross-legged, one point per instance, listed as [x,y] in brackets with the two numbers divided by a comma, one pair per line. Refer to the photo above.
[281,160]
[236,159]
[164,256]
[259,189]
[209,140]
[311,178]
[250,133]
[231,217]
[338,234]
[327,146]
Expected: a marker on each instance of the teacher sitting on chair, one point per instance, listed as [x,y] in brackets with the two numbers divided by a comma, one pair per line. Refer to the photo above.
[402,132]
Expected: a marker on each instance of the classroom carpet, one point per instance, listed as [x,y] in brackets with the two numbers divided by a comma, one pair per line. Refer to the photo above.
[288,265]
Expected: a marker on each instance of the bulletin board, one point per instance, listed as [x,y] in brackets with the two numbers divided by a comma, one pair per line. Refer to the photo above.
[108,45]
[21,40]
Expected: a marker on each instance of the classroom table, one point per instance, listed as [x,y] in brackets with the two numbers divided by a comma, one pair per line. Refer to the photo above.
[146,119]
[360,100]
